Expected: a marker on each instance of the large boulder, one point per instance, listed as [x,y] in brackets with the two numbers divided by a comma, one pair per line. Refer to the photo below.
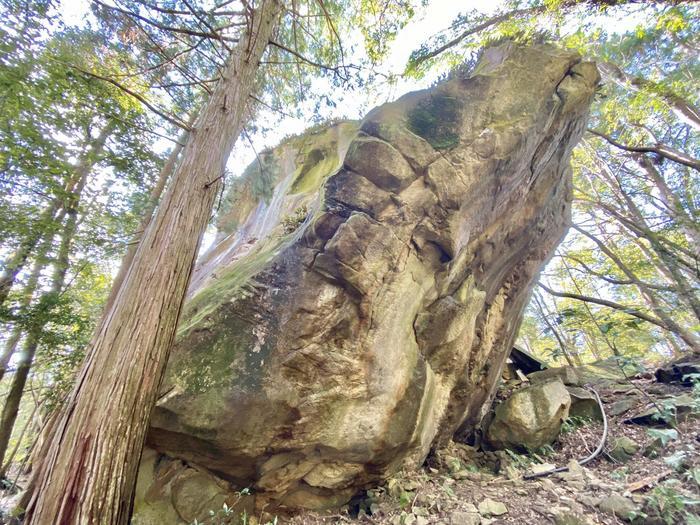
[369,279]
[531,417]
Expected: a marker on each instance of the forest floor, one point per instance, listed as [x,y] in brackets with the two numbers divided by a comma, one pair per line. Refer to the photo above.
[656,483]
[647,473]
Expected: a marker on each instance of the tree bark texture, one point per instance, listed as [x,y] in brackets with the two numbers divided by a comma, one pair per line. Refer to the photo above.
[89,472]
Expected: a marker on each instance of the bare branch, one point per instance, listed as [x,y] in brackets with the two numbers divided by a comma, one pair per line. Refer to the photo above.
[659,149]
[603,302]
[172,119]
[302,58]
[162,27]
[504,17]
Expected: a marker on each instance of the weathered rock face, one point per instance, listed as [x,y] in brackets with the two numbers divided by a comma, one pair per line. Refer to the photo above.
[357,310]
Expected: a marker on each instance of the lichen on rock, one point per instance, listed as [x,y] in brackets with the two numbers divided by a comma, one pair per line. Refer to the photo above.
[328,357]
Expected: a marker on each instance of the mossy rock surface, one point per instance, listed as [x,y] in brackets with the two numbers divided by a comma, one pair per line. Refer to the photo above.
[316,360]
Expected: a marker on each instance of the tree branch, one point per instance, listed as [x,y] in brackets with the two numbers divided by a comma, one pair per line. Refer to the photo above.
[609,304]
[660,149]
[173,120]
[504,17]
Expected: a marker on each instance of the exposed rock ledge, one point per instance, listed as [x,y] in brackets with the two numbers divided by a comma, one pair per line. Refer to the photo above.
[359,305]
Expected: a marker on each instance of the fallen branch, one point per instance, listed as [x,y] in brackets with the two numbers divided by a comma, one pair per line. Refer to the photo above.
[638,485]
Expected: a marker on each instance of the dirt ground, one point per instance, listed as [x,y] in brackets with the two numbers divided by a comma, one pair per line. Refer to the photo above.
[454,484]
[463,485]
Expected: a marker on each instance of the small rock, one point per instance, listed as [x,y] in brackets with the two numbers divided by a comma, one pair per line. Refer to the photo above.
[657,390]
[489,507]
[653,448]
[575,476]
[567,374]
[589,501]
[584,404]
[623,449]
[538,468]
[531,417]
[622,406]
[619,506]
[421,520]
[568,517]
[453,464]
[394,488]
[465,518]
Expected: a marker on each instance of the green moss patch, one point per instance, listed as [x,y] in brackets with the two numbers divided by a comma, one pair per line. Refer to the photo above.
[437,119]
[317,166]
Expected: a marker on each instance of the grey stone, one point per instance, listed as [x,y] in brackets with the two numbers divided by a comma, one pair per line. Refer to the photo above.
[531,417]
[619,506]
[465,518]
[567,374]
[621,406]
[584,404]
[623,449]
[569,517]
[489,507]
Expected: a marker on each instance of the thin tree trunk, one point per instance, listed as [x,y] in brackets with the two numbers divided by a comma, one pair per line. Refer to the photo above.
[675,208]
[25,301]
[14,264]
[19,379]
[545,318]
[4,468]
[14,396]
[89,471]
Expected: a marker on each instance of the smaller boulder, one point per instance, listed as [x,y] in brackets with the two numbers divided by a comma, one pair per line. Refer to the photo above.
[489,507]
[465,518]
[623,405]
[681,371]
[567,374]
[584,404]
[623,449]
[569,517]
[619,506]
[531,417]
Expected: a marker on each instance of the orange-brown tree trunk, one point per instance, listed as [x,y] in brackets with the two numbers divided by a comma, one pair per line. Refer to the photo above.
[89,471]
